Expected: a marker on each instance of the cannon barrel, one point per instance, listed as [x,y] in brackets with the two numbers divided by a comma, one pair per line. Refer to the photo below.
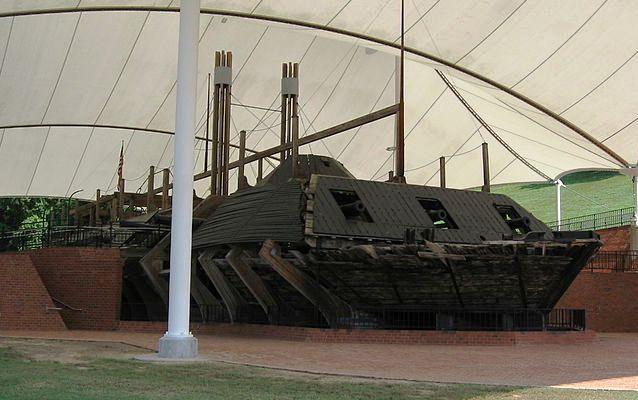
[354,208]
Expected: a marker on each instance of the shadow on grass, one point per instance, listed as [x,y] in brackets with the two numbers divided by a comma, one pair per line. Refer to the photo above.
[575,178]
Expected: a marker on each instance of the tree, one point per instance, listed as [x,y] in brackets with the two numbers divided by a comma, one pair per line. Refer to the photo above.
[20,212]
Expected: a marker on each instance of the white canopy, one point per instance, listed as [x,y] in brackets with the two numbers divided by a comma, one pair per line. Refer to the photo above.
[555,80]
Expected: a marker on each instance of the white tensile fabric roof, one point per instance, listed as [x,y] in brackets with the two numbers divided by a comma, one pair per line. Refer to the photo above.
[116,68]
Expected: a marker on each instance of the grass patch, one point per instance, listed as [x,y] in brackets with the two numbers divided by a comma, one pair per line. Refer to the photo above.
[22,378]
[587,192]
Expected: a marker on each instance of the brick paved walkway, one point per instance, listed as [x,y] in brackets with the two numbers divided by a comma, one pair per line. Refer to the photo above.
[610,363]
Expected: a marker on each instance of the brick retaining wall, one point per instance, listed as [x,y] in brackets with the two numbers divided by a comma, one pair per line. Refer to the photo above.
[25,303]
[84,278]
[609,299]
[615,239]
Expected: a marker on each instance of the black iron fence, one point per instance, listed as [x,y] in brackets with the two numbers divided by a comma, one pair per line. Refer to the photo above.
[80,236]
[466,320]
[392,318]
[614,261]
[591,222]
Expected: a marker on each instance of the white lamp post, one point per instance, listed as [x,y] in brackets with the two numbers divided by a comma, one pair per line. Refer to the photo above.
[633,239]
[558,184]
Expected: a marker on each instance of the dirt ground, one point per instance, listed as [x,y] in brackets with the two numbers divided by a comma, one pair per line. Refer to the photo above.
[70,351]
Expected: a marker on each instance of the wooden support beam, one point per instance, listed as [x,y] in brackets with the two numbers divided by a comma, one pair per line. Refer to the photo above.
[242,182]
[92,212]
[77,212]
[442,171]
[295,146]
[214,182]
[254,283]
[332,308]
[326,133]
[231,298]
[284,113]
[227,122]
[113,209]
[150,203]
[260,170]
[207,123]
[98,196]
[153,263]
[120,199]
[164,189]
[486,168]
[200,293]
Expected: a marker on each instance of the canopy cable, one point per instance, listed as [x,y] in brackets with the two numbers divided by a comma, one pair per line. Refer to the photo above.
[490,130]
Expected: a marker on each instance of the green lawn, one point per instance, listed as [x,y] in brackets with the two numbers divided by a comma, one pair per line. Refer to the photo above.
[121,379]
[586,193]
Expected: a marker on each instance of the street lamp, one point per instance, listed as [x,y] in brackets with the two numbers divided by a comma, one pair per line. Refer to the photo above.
[68,205]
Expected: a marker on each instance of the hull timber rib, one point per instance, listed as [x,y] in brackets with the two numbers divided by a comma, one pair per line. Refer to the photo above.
[331,307]
[254,283]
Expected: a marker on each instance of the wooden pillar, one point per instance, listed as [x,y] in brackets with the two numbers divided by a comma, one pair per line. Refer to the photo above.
[207,123]
[98,196]
[221,121]
[120,200]
[165,182]
[442,171]
[227,100]
[77,212]
[289,115]
[294,100]
[260,170]
[150,194]
[241,177]
[113,208]
[295,147]
[214,168]
[284,111]
[486,169]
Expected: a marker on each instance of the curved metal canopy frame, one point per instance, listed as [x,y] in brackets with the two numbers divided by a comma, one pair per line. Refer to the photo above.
[120,127]
[368,38]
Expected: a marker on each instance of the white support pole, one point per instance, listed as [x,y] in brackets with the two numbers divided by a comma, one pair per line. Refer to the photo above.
[633,230]
[178,342]
[558,184]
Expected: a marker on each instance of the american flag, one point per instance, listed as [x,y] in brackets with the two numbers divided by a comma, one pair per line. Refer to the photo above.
[120,168]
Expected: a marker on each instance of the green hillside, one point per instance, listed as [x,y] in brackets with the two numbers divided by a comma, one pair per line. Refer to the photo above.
[586,193]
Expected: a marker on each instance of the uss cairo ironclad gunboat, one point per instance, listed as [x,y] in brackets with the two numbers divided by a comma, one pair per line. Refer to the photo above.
[323,248]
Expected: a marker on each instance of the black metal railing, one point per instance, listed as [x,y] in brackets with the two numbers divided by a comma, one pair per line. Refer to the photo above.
[613,261]
[460,320]
[391,318]
[80,236]
[591,222]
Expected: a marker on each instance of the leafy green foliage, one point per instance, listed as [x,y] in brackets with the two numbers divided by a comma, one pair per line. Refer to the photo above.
[19,212]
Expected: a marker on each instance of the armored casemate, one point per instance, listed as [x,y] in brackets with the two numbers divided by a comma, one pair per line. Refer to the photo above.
[324,248]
